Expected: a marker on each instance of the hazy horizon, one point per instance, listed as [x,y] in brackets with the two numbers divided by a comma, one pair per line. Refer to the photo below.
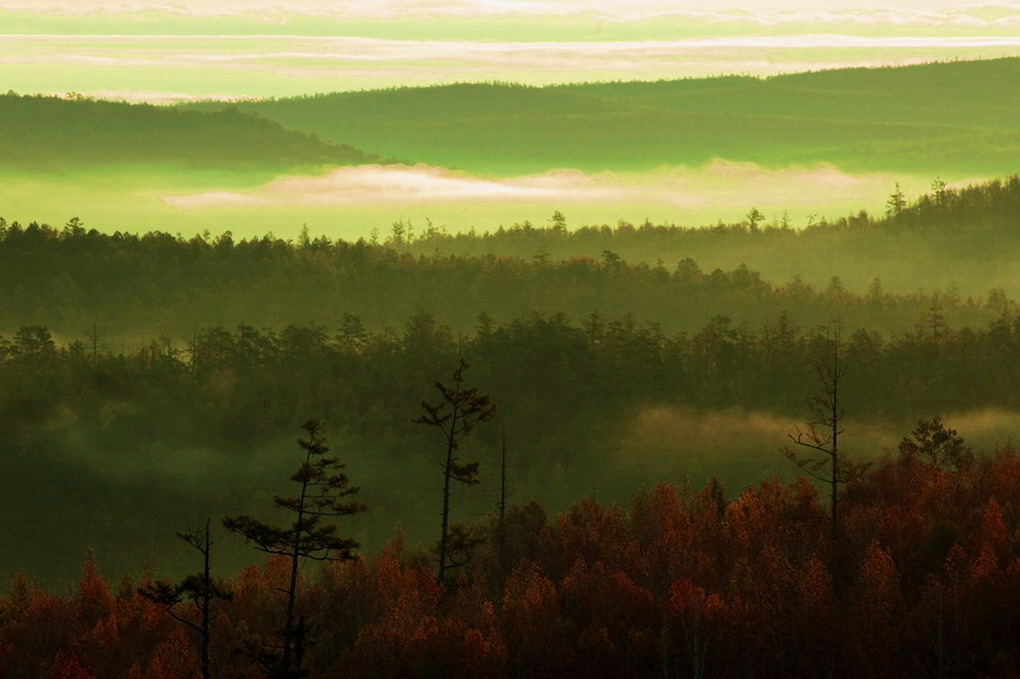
[181,50]
[148,50]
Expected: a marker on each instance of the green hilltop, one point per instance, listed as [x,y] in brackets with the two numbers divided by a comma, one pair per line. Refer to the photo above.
[40,133]
[952,117]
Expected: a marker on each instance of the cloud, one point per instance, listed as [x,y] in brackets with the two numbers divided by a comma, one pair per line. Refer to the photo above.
[389,9]
[645,15]
[152,97]
[721,184]
[252,49]
[325,54]
[270,48]
[390,183]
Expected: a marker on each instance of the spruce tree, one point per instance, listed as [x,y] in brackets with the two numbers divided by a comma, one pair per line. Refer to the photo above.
[325,493]
[455,414]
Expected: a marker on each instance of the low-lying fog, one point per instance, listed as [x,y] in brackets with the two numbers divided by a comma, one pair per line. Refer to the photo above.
[351,202]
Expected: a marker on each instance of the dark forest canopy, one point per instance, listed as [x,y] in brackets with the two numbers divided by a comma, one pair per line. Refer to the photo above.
[44,133]
[195,426]
[955,116]
[958,247]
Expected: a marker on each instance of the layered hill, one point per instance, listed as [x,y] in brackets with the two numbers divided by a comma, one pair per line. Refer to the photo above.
[940,117]
[50,133]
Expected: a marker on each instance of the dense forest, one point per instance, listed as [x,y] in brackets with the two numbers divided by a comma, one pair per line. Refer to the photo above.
[598,404]
[596,401]
[954,249]
[151,368]
[962,239]
[955,116]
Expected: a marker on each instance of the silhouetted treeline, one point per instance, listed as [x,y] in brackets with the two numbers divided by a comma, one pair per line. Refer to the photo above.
[954,239]
[134,287]
[237,386]
[923,583]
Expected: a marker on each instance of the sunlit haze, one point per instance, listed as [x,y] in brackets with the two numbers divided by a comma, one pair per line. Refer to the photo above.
[158,51]
[186,50]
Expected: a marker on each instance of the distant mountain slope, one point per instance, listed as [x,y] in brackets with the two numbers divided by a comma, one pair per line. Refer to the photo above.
[942,117]
[50,133]
[962,93]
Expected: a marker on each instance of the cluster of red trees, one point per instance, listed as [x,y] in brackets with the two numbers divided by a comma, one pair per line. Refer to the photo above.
[924,580]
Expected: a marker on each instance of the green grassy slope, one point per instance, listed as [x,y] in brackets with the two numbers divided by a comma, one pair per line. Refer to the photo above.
[48,133]
[943,117]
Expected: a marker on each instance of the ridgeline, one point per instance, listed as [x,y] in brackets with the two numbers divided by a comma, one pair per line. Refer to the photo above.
[938,118]
[46,134]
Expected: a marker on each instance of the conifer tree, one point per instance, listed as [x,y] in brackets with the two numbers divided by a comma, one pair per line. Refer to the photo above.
[325,492]
[825,461]
[897,202]
[939,445]
[199,588]
[457,412]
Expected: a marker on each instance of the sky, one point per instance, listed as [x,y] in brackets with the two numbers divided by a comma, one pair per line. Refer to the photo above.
[164,50]
[432,8]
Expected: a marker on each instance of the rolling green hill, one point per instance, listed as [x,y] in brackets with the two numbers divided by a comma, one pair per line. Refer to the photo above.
[49,133]
[959,117]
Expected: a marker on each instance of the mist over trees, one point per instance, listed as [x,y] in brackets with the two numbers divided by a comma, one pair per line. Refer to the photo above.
[656,370]
[626,398]
[147,367]
[674,582]
[864,270]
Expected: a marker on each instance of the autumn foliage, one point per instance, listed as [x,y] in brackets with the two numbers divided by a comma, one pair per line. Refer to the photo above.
[923,582]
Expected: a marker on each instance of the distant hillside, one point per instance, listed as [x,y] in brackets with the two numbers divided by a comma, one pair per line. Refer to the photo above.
[954,239]
[932,118]
[52,133]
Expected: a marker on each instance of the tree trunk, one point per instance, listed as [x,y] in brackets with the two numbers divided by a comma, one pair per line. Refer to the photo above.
[451,445]
[206,603]
[288,628]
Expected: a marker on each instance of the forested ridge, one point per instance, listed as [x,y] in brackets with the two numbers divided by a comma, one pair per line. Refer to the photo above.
[959,246]
[47,134]
[954,115]
[950,238]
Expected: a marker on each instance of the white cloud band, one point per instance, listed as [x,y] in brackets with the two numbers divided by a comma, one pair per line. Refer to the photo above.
[721,184]
[600,9]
